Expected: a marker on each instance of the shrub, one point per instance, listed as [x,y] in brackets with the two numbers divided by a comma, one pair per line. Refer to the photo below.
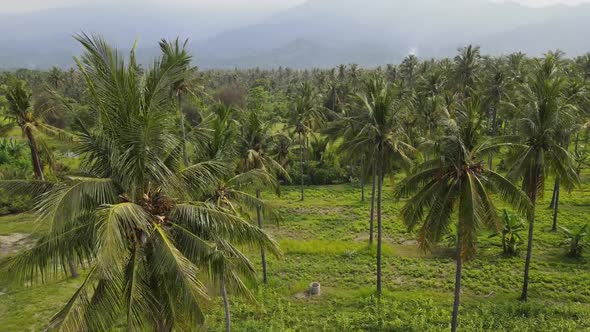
[511,240]
[575,240]
[11,205]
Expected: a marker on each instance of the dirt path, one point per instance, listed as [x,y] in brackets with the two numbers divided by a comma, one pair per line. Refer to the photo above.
[14,242]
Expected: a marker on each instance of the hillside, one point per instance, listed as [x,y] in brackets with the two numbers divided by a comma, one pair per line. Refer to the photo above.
[318,33]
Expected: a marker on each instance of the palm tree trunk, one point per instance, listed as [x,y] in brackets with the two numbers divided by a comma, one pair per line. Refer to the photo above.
[455,317]
[491,156]
[226,307]
[35,159]
[576,142]
[555,206]
[262,253]
[555,188]
[73,270]
[529,250]
[379,235]
[372,206]
[362,178]
[301,162]
[161,326]
[182,129]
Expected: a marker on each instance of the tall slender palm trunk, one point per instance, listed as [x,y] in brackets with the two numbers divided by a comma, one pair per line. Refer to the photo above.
[182,129]
[458,270]
[529,250]
[35,158]
[226,307]
[362,179]
[262,253]
[555,186]
[301,163]
[555,206]
[372,206]
[161,326]
[73,270]
[379,228]
[494,129]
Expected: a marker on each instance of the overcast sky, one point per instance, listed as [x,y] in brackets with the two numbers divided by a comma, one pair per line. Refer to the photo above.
[30,5]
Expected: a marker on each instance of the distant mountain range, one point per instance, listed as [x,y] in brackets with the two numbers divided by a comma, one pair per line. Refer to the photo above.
[318,33]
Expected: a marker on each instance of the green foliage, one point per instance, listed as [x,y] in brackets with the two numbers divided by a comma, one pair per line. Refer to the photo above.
[159,212]
[134,220]
[511,239]
[576,240]
[14,159]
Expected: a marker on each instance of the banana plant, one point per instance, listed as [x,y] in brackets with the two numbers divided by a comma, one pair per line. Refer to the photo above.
[575,240]
[511,225]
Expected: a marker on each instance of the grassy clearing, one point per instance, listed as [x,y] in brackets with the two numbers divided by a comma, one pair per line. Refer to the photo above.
[325,239]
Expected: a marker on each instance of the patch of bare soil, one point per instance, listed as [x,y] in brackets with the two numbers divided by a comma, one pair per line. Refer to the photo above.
[318,210]
[14,242]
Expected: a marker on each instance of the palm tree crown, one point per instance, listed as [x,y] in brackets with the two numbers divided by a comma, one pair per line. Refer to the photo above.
[133,217]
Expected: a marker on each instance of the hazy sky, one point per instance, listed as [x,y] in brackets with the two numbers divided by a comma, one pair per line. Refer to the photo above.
[28,5]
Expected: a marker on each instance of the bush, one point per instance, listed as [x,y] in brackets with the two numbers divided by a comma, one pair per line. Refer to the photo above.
[11,205]
[575,240]
[328,176]
[315,174]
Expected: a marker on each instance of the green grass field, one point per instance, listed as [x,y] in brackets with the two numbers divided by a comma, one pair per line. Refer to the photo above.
[325,239]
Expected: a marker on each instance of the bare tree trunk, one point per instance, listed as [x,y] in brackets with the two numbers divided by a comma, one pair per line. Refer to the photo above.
[372,206]
[555,206]
[455,316]
[183,129]
[262,253]
[35,158]
[379,235]
[529,250]
[301,162]
[226,307]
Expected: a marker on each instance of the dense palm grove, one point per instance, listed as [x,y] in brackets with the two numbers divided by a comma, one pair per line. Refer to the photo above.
[152,177]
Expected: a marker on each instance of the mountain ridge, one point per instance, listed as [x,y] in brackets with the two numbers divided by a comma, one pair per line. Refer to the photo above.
[315,33]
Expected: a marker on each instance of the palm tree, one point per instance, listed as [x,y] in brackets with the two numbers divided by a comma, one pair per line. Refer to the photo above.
[175,54]
[496,91]
[230,193]
[575,95]
[133,218]
[379,129]
[306,115]
[408,69]
[224,132]
[55,77]
[255,141]
[19,111]
[456,182]
[540,151]
[345,129]
[466,69]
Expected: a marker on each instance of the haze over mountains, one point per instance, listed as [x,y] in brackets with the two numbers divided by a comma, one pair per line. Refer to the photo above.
[317,33]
